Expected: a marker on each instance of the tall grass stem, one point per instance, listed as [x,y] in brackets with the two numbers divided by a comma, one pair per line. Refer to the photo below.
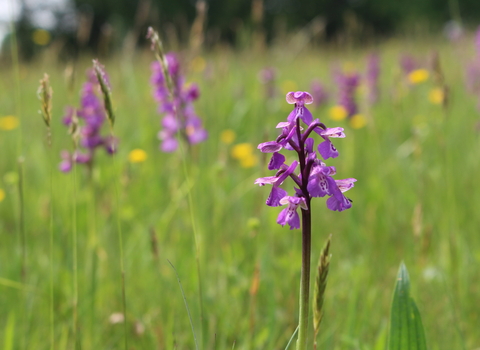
[75,260]
[186,304]
[120,244]
[51,240]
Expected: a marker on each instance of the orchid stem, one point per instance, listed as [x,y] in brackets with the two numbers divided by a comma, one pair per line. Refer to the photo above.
[305,278]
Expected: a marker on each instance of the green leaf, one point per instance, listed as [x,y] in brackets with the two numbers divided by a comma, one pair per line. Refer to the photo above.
[406,329]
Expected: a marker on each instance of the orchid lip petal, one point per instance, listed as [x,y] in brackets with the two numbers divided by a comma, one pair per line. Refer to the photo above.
[299,97]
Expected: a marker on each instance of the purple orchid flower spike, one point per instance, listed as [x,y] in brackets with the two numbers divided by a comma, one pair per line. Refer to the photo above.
[347,87]
[319,93]
[91,117]
[267,77]
[315,179]
[371,77]
[176,106]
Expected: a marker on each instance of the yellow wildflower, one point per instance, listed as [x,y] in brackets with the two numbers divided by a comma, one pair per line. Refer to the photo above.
[9,122]
[137,156]
[358,121]
[2,195]
[41,37]
[436,96]
[242,150]
[289,85]
[227,136]
[418,76]
[198,64]
[248,161]
[337,113]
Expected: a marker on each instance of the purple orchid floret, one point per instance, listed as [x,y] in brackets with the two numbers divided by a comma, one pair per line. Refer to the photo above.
[315,178]
[289,215]
[277,193]
[300,99]
[347,86]
[91,116]
[327,149]
[338,201]
[176,106]
[276,161]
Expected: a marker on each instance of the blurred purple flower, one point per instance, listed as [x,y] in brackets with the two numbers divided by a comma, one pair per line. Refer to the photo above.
[453,31]
[472,76]
[347,85]
[319,93]
[371,77]
[477,42]
[179,117]
[92,116]
[267,77]
[408,64]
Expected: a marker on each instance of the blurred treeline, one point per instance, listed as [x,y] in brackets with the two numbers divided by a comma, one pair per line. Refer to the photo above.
[107,25]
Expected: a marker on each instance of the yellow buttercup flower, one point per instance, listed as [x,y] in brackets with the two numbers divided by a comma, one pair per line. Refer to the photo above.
[436,96]
[337,113]
[418,76]
[248,161]
[9,122]
[41,37]
[227,136]
[242,150]
[198,64]
[2,195]
[358,121]
[137,156]
[289,85]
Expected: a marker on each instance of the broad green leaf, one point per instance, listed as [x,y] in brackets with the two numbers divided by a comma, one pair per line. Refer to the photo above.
[406,329]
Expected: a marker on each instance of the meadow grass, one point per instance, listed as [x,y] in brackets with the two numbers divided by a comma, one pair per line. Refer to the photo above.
[416,200]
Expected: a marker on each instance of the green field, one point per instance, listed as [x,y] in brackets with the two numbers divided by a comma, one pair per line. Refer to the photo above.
[416,200]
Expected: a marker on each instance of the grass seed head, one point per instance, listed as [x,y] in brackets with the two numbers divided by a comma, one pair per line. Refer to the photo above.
[45,93]
[320,285]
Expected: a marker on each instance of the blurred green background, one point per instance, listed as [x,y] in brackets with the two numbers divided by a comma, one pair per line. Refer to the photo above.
[416,161]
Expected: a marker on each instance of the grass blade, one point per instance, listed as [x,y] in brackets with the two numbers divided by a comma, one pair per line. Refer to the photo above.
[186,304]
[291,338]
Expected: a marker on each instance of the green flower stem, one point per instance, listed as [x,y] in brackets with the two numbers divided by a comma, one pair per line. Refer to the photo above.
[305,277]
